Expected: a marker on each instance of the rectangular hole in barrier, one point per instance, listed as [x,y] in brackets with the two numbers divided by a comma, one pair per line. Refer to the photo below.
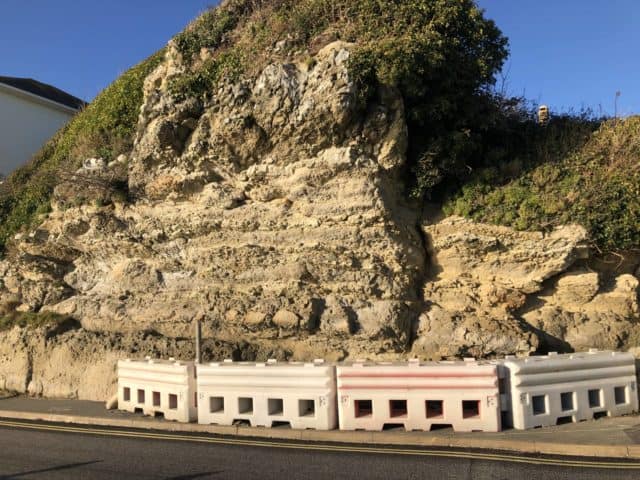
[566,401]
[280,425]
[440,426]
[173,401]
[363,408]
[275,406]
[470,408]
[539,404]
[216,404]
[598,415]
[595,399]
[140,396]
[392,426]
[306,408]
[245,405]
[620,395]
[564,420]
[397,408]
[155,397]
[126,394]
[434,408]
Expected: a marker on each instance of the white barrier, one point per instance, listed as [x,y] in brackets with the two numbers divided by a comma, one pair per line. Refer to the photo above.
[158,387]
[555,389]
[268,394]
[419,396]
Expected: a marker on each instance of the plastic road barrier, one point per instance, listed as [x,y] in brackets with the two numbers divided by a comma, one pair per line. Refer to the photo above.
[419,396]
[158,387]
[555,389]
[302,395]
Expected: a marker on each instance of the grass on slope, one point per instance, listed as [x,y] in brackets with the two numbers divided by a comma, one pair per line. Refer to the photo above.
[32,320]
[596,184]
[105,128]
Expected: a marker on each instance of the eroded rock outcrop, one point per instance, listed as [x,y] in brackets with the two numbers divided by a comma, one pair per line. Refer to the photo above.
[275,213]
[494,291]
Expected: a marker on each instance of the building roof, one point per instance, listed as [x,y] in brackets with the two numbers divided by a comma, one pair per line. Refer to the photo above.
[44,91]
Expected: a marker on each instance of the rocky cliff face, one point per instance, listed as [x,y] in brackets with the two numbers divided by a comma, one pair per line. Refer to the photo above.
[275,214]
[493,290]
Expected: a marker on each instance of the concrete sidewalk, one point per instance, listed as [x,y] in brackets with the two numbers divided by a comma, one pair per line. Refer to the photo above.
[607,437]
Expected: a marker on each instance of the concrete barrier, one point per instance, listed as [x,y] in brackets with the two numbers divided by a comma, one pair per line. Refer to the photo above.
[419,396]
[302,395]
[158,387]
[555,389]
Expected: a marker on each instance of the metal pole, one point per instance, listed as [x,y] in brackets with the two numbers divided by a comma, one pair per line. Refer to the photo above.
[198,341]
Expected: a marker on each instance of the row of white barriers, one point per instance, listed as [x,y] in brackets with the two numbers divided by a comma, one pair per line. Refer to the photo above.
[466,395]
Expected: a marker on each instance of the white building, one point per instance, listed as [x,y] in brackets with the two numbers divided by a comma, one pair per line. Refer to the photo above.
[30,113]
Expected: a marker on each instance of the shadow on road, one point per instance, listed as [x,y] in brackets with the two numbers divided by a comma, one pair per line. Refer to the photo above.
[194,475]
[50,469]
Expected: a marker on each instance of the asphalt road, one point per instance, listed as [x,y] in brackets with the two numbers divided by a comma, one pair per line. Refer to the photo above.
[33,451]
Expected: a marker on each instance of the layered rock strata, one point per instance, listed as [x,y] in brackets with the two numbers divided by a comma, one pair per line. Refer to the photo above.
[275,214]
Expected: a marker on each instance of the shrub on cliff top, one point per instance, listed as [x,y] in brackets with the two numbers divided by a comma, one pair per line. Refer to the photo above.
[596,183]
[440,54]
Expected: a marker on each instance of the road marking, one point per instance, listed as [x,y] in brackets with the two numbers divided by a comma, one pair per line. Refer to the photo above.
[495,457]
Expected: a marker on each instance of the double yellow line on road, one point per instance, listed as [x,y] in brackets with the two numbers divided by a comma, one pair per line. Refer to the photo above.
[494,457]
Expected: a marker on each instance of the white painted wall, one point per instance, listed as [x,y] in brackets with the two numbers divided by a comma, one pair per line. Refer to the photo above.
[26,123]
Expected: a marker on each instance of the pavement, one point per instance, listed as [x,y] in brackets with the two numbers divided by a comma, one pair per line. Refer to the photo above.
[616,438]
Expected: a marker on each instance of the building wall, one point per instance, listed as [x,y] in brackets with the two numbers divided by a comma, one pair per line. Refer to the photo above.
[25,126]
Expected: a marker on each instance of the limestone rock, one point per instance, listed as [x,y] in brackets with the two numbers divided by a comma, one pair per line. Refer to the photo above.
[578,313]
[286,319]
[274,211]
[498,291]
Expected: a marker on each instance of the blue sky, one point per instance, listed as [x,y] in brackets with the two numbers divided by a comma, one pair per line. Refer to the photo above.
[83,45]
[566,53]
[570,53]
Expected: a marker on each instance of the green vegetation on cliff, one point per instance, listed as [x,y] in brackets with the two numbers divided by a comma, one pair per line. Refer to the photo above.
[574,172]
[441,54]
[104,129]
[33,320]
[480,153]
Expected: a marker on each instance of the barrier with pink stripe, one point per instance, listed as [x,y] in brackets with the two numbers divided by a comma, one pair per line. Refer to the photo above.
[419,396]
